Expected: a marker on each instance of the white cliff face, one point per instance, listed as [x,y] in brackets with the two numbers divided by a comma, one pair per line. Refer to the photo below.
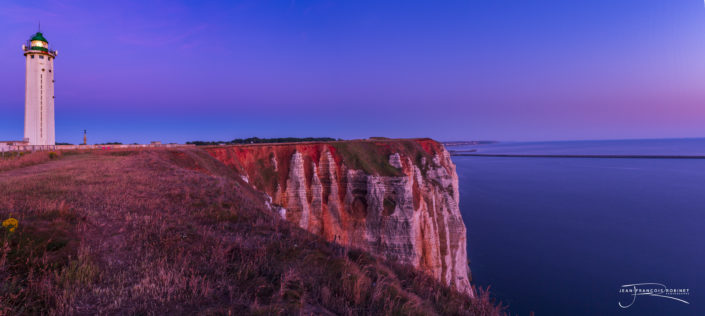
[315,218]
[297,205]
[442,211]
[381,216]
[411,217]
[395,160]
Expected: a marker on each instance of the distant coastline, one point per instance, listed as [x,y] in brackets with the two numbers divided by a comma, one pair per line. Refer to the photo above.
[469,153]
[611,149]
[468,142]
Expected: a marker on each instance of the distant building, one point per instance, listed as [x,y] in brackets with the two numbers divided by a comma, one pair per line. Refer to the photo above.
[39,91]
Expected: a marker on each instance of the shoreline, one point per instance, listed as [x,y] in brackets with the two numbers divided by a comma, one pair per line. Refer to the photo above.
[580,156]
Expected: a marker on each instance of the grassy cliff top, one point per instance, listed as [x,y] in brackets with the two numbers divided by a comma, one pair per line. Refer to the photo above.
[174,231]
[369,155]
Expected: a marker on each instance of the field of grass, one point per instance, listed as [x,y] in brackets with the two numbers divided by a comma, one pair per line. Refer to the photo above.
[175,232]
[23,159]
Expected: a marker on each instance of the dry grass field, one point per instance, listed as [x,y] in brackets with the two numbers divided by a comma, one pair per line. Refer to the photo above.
[176,232]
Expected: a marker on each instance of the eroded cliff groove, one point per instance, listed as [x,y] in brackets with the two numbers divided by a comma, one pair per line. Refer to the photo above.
[395,198]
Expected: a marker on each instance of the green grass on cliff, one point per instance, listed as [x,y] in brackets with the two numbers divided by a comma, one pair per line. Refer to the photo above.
[366,156]
[174,232]
[373,156]
[257,140]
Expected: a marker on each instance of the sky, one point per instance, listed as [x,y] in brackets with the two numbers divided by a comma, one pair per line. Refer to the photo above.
[176,71]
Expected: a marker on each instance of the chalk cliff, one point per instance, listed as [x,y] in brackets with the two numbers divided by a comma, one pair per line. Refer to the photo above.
[393,198]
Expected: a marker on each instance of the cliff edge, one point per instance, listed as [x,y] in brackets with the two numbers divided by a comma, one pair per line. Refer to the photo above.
[394,198]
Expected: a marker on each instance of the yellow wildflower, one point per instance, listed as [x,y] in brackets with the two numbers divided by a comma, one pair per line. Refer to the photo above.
[10,224]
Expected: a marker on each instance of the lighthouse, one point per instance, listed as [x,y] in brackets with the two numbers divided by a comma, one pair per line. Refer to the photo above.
[39,91]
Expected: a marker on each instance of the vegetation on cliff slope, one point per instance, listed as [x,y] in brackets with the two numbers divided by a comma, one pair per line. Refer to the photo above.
[372,156]
[13,160]
[176,232]
[257,140]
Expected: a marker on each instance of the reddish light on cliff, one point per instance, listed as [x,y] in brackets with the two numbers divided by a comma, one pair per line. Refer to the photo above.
[393,198]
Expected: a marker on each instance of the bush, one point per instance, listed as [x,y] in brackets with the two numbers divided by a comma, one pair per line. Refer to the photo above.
[53,155]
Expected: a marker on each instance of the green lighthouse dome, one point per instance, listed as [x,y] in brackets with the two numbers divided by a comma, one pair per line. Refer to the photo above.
[38,42]
[39,37]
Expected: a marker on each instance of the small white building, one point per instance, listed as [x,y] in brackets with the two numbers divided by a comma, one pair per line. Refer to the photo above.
[39,91]
[12,145]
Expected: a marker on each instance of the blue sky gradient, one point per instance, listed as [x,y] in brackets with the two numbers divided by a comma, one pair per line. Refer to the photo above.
[136,71]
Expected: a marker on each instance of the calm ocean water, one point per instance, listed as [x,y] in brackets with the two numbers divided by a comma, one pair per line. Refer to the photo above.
[560,236]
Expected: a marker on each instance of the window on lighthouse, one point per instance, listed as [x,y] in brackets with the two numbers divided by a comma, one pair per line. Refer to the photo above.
[37,44]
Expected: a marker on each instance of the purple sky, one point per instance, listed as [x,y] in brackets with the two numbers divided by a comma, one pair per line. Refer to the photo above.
[136,71]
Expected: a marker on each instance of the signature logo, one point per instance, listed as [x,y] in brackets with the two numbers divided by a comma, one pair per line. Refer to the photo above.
[650,289]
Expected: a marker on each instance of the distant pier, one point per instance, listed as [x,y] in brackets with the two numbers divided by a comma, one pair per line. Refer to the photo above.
[466,154]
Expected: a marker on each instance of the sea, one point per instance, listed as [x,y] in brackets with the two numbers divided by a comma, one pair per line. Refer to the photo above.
[581,236]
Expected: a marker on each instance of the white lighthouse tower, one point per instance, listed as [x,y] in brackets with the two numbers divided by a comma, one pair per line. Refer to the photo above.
[39,91]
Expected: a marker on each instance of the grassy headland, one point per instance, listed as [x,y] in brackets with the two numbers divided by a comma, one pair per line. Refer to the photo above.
[174,231]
